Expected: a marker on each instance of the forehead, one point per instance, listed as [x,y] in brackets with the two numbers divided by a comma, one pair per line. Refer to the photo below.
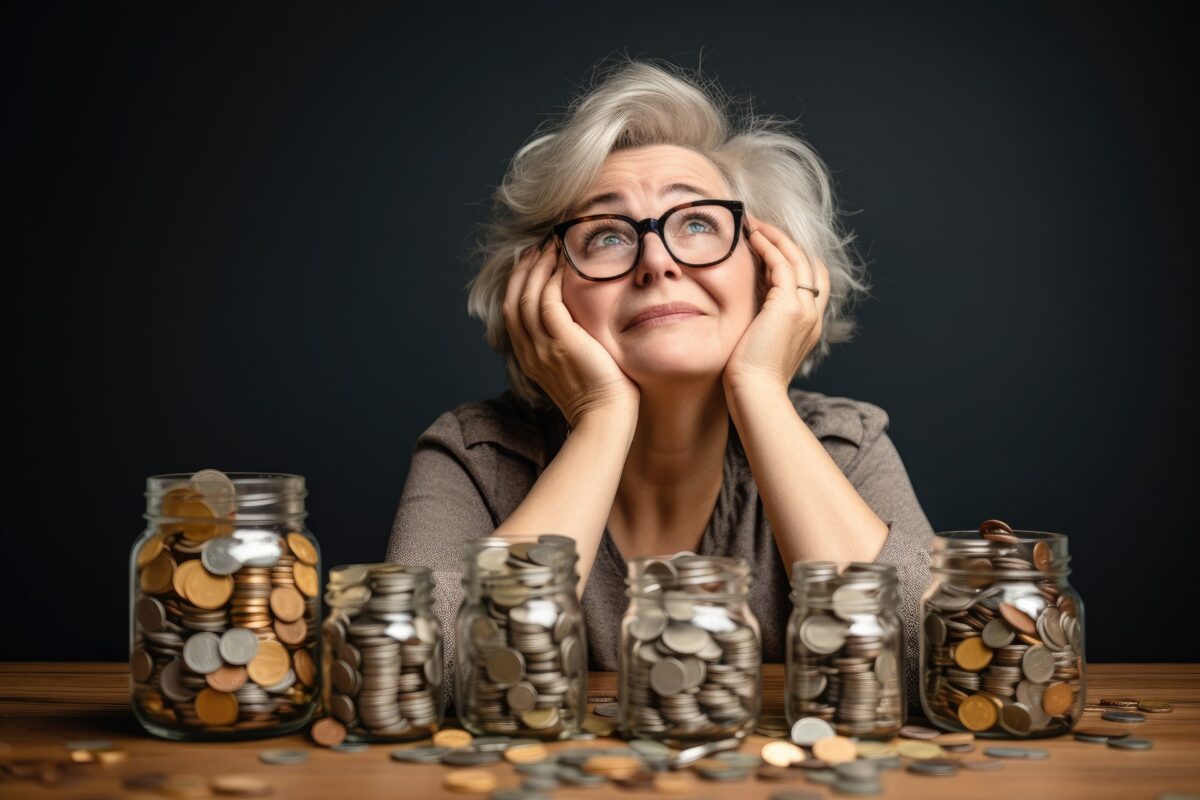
[653,166]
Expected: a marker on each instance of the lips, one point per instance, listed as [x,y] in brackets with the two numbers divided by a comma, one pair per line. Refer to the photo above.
[661,311]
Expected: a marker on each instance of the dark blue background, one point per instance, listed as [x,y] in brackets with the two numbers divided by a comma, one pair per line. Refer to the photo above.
[236,236]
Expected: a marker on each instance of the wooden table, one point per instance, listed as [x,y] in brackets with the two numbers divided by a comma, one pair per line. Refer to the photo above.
[44,705]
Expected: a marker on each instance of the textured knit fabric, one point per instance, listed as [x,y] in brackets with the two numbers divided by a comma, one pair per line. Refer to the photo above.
[475,464]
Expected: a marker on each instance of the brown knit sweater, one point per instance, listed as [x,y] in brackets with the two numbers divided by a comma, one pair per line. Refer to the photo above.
[475,464]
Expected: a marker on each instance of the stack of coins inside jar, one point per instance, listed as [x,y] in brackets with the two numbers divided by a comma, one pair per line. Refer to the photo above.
[521,647]
[845,648]
[691,652]
[1002,636]
[224,617]
[383,647]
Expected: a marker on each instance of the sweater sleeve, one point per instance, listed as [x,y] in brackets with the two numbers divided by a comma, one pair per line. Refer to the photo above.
[441,509]
[879,475]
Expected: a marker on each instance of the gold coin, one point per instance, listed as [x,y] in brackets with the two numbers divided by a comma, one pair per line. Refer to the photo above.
[306,578]
[227,679]
[781,754]
[526,754]
[206,590]
[1057,699]
[918,750]
[240,785]
[156,578]
[216,708]
[452,738]
[972,654]
[150,550]
[306,671]
[598,725]
[977,713]
[302,548]
[869,749]
[270,665]
[835,750]
[613,766]
[179,579]
[287,603]
[675,783]
[1155,707]
[476,781]
[953,739]
[198,521]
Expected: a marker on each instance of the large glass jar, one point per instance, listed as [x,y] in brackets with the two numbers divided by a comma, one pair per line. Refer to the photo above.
[520,644]
[845,648]
[1002,634]
[691,651]
[224,607]
[382,652]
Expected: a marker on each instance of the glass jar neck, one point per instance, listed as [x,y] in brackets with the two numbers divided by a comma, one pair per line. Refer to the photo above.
[519,569]
[713,578]
[382,589]
[863,586]
[967,556]
[244,500]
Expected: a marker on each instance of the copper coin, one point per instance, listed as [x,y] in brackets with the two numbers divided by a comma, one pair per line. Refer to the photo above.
[328,731]
[303,549]
[306,670]
[156,578]
[977,713]
[206,590]
[306,579]
[1042,558]
[150,550]
[1120,702]
[291,632]
[227,679]
[1018,619]
[1155,707]
[1057,699]
[179,579]
[216,708]
[241,785]
[270,665]
[972,654]
[286,603]
[997,531]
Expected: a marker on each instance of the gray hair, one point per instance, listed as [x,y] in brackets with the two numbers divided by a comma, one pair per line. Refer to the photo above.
[774,171]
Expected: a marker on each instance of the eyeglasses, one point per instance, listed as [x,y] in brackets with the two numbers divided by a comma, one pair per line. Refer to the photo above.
[606,247]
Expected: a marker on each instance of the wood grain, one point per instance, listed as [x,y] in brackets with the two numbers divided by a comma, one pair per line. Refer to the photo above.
[44,705]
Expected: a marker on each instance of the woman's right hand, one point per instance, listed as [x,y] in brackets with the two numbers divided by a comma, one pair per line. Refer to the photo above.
[574,369]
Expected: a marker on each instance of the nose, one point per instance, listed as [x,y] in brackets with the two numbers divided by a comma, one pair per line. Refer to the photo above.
[655,262]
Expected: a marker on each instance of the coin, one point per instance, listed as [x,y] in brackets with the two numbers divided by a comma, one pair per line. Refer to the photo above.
[1155,707]
[1018,619]
[206,590]
[201,652]
[1016,752]
[293,633]
[452,738]
[156,578]
[505,666]
[306,670]
[227,678]
[1058,699]
[1130,743]
[217,556]
[306,578]
[286,603]
[998,634]
[918,732]
[1038,664]
[302,548]
[823,634]
[328,732]
[1122,716]
[835,749]
[526,753]
[973,655]
[270,665]
[781,754]
[916,749]
[977,713]
[807,731]
[216,708]
[238,646]
[240,785]
[280,756]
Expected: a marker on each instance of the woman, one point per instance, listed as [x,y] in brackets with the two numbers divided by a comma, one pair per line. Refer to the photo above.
[650,410]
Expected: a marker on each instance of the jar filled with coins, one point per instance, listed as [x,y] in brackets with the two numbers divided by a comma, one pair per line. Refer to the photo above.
[520,644]
[845,648]
[1002,634]
[224,607]
[383,652]
[691,655]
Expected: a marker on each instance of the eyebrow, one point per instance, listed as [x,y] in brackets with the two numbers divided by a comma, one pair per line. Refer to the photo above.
[612,197]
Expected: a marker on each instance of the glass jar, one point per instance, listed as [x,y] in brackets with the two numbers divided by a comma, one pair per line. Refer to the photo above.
[224,607]
[1002,634]
[383,652]
[691,651]
[520,644]
[845,648]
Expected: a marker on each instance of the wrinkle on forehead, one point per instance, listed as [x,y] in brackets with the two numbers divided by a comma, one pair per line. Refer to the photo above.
[649,168]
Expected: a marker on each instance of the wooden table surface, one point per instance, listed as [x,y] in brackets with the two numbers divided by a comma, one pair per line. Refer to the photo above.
[44,705]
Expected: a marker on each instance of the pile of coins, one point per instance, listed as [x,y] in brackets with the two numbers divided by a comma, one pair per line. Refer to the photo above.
[521,647]
[384,651]
[845,649]
[1002,640]
[224,619]
[690,650]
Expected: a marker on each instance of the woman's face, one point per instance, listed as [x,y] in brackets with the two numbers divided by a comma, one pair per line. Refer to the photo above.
[683,347]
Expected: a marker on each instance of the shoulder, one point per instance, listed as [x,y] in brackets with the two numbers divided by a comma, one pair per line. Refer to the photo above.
[504,422]
[844,425]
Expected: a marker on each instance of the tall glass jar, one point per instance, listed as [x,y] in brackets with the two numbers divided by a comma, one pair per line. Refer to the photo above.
[224,607]
[845,648]
[520,644]
[691,650]
[1002,634]
[382,652]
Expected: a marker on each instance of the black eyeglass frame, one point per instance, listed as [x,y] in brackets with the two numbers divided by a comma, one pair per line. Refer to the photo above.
[645,226]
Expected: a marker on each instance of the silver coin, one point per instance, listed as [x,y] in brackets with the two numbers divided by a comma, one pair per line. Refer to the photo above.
[1122,716]
[238,646]
[492,559]
[171,681]
[935,629]
[505,666]
[218,558]
[1038,664]
[521,697]
[807,731]
[823,634]
[667,677]
[202,652]
[1129,743]
[685,639]
[280,756]
[648,623]
[997,634]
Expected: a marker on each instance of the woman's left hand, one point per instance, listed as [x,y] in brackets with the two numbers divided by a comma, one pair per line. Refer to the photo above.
[788,326]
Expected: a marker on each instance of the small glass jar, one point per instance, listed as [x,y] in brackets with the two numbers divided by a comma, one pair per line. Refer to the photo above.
[691,650]
[845,648]
[1002,634]
[520,643]
[382,652]
[224,607]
